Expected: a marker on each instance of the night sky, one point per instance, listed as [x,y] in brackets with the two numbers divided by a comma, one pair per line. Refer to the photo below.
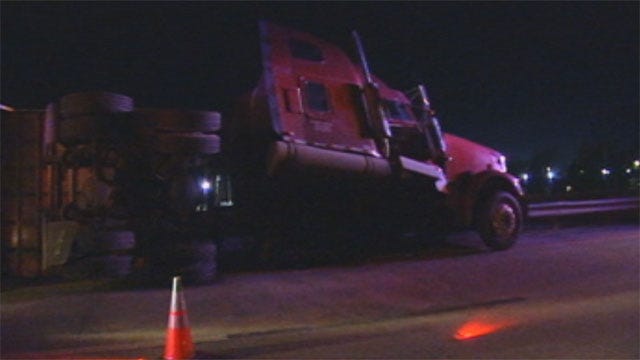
[521,77]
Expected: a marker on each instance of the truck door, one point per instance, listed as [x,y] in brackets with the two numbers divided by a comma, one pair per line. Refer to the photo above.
[312,89]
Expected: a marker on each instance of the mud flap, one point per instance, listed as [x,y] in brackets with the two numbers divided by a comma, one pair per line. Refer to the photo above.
[57,241]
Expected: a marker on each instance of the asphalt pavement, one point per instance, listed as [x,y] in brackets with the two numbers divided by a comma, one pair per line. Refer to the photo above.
[560,293]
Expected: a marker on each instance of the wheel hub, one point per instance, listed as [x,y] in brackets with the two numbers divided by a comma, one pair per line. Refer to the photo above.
[504,221]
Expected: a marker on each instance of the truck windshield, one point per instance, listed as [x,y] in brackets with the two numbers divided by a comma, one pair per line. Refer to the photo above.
[397,110]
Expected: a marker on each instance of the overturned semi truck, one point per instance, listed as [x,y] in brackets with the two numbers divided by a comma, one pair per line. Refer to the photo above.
[321,154]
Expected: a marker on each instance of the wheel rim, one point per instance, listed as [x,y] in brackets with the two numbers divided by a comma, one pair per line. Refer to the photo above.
[504,221]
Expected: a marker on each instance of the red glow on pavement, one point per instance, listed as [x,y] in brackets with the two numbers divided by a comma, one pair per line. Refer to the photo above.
[474,329]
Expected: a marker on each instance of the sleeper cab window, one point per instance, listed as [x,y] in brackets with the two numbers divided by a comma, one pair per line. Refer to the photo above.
[316,97]
[396,110]
[305,50]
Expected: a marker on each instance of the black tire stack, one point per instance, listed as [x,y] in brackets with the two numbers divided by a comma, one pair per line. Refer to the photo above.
[197,261]
[177,142]
[102,253]
[85,116]
[92,126]
[154,154]
[114,256]
[173,131]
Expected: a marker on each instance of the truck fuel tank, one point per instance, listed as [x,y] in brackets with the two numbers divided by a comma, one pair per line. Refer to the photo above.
[287,156]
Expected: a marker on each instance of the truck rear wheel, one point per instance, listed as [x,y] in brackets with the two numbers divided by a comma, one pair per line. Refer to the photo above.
[93,103]
[115,249]
[180,120]
[499,220]
[199,263]
[188,143]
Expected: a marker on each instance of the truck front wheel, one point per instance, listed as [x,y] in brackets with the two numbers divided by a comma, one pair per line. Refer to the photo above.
[499,220]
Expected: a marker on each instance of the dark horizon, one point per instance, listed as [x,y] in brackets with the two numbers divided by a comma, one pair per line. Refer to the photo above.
[523,78]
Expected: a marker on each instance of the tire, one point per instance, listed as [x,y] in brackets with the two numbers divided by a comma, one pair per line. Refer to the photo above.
[198,262]
[104,254]
[114,266]
[169,120]
[77,130]
[115,248]
[499,220]
[192,143]
[114,241]
[109,266]
[93,103]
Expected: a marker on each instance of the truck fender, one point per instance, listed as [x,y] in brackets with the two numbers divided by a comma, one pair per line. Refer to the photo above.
[468,189]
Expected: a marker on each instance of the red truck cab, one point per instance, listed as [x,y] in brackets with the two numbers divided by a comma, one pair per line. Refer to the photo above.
[315,112]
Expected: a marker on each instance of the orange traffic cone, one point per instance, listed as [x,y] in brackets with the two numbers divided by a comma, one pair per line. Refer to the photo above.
[179,344]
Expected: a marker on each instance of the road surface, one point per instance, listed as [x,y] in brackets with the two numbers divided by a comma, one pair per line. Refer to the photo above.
[559,293]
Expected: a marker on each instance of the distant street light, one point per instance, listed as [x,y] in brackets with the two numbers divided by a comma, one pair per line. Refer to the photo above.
[605,172]
[524,177]
[205,185]
[550,174]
